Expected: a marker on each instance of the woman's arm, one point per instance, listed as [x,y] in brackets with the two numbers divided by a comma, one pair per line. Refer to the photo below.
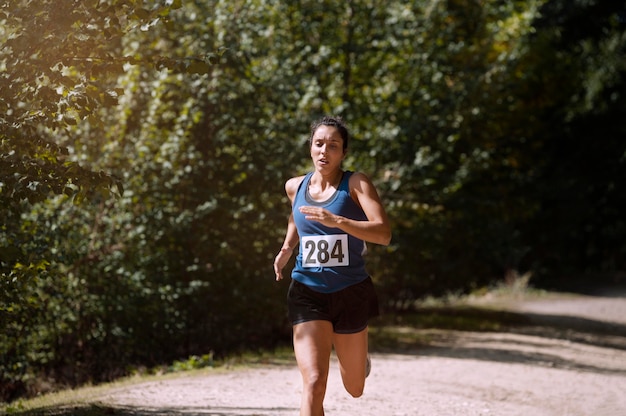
[283,256]
[291,236]
[375,230]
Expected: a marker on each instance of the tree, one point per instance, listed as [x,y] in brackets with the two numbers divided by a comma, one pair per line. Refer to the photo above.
[578,232]
[59,62]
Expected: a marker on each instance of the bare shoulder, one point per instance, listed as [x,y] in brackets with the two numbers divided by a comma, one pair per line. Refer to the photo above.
[362,188]
[291,186]
[364,193]
[360,183]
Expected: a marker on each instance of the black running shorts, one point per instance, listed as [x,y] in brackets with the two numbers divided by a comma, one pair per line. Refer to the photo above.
[348,310]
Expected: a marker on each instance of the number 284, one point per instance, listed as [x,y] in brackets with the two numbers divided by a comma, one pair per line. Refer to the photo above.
[330,250]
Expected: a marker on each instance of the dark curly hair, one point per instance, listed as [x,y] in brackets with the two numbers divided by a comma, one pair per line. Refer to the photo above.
[334,121]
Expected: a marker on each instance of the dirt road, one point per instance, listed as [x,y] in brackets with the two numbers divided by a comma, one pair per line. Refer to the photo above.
[570,360]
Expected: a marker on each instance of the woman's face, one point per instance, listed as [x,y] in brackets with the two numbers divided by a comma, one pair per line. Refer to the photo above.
[327,148]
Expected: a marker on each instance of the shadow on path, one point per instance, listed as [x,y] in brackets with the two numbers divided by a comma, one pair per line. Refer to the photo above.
[95,410]
[563,341]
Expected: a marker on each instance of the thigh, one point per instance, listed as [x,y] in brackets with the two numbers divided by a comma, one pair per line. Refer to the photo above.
[351,350]
[312,344]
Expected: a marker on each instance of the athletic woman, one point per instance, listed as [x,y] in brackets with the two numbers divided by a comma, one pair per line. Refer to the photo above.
[331,297]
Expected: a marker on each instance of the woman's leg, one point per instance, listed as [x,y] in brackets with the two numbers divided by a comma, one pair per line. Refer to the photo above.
[351,350]
[312,344]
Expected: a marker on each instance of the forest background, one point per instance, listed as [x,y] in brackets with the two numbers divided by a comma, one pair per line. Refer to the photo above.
[144,148]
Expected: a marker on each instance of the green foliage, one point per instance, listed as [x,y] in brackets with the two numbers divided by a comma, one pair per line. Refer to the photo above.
[580,227]
[192,363]
[59,62]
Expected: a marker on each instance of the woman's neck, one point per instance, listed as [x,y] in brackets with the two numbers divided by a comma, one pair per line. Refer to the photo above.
[330,180]
[321,187]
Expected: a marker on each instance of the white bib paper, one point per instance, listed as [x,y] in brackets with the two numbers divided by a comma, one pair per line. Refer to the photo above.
[325,251]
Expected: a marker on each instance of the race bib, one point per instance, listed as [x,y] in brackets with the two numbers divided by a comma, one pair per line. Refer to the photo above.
[325,250]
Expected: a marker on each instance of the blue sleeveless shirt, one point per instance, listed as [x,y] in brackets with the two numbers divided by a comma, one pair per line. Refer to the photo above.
[328,259]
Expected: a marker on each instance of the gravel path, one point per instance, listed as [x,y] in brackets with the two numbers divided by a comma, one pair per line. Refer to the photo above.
[572,370]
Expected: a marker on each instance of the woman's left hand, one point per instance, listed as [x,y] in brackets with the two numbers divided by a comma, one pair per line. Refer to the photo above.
[321,215]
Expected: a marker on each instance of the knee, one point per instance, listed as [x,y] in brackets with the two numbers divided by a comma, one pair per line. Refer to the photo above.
[315,384]
[356,394]
[355,389]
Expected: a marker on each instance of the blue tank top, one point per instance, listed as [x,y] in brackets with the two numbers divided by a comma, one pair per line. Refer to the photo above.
[328,259]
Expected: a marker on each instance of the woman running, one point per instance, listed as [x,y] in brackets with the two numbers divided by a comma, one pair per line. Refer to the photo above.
[331,297]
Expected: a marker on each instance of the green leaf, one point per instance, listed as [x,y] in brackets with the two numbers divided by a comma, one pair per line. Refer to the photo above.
[198,67]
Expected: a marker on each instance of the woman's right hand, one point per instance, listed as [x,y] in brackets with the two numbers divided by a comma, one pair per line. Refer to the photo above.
[280,261]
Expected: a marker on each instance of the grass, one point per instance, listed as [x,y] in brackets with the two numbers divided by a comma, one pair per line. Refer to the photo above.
[423,326]
[65,402]
[483,310]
